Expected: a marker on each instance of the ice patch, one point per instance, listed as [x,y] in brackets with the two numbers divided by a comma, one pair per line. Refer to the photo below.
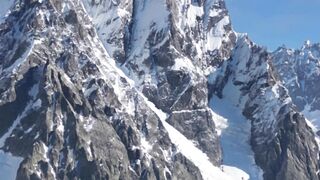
[5,6]
[235,138]
[220,122]
[9,165]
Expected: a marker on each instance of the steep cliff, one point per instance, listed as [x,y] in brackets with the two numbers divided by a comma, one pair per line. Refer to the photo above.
[109,89]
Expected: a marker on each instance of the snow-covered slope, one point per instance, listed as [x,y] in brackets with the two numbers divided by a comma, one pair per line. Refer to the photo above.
[196,156]
[88,106]
[107,89]
[161,60]
[235,137]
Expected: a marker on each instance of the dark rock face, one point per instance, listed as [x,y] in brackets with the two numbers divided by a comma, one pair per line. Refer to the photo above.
[197,126]
[89,88]
[290,157]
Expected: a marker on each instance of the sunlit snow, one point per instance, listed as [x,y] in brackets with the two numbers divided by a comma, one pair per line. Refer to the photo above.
[235,138]
[195,155]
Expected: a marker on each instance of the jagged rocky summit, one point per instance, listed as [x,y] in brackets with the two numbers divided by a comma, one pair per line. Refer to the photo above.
[148,89]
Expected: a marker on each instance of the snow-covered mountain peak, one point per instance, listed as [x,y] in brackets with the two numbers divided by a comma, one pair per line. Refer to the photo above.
[300,71]
[109,89]
[307,44]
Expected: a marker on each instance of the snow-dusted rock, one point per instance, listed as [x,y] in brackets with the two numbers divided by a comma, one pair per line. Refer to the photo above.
[283,143]
[299,71]
[110,89]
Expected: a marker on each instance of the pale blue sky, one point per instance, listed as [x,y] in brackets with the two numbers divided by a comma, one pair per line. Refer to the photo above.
[272,23]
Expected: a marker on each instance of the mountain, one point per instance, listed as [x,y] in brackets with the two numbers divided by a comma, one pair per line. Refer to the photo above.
[143,89]
[299,71]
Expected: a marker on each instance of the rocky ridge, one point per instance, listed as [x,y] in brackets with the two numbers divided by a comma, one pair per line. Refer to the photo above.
[111,90]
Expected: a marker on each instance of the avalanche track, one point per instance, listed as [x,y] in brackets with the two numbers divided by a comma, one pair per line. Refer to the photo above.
[235,137]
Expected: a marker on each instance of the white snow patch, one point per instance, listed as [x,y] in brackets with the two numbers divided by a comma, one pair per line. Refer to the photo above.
[146,146]
[123,13]
[34,91]
[214,12]
[88,122]
[37,104]
[275,90]
[313,121]
[88,150]
[233,94]
[235,139]
[192,13]
[87,92]
[190,151]
[236,173]
[46,150]
[183,64]
[215,35]
[60,126]
[148,21]
[220,122]
[108,19]
[29,130]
